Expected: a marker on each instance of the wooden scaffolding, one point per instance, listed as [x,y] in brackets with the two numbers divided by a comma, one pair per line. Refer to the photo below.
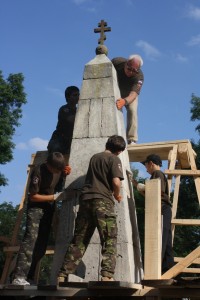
[181,161]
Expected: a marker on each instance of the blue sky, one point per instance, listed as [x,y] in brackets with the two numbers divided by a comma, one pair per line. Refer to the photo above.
[51,41]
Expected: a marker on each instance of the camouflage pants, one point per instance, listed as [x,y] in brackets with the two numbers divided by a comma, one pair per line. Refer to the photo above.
[34,244]
[96,213]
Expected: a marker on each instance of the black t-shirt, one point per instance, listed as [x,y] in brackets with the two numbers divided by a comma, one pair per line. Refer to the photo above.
[103,167]
[61,138]
[164,185]
[43,182]
[127,84]
[66,118]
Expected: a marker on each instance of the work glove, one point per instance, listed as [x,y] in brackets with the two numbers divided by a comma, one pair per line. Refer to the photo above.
[118,198]
[58,196]
[66,194]
[67,170]
[141,187]
[120,103]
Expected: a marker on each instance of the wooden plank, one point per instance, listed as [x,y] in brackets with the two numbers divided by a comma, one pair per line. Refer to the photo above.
[183,156]
[152,251]
[180,266]
[113,285]
[191,157]
[197,184]
[157,282]
[177,259]
[192,222]
[193,167]
[138,152]
[192,270]
[172,157]
[175,202]
[182,172]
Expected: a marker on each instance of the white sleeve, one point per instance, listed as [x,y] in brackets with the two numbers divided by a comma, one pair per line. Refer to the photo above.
[141,187]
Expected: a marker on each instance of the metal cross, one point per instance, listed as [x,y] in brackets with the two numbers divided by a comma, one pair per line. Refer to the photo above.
[103,28]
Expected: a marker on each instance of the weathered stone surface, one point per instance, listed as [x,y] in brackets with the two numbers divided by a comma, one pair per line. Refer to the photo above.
[97,88]
[99,67]
[98,118]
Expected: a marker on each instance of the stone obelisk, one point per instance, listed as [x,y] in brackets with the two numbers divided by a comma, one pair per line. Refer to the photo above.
[97,119]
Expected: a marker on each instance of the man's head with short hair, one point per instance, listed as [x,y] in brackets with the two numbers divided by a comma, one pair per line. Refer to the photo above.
[56,161]
[69,90]
[115,143]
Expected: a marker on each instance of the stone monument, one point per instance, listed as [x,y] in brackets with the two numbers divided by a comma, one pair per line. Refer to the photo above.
[97,119]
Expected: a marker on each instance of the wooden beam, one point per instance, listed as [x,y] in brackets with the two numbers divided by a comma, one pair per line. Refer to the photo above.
[196,261]
[172,157]
[152,251]
[182,172]
[184,222]
[191,270]
[184,156]
[180,266]
[197,184]
[138,152]
[175,203]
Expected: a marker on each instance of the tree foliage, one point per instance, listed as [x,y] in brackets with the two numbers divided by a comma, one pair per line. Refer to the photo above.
[195,111]
[12,97]
[8,215]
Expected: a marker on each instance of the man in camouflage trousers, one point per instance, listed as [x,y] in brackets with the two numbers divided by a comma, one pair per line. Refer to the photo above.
[45,181]
[102,185]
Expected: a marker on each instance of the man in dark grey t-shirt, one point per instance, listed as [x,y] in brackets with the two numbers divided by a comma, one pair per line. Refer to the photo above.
[102,186]
[130,80]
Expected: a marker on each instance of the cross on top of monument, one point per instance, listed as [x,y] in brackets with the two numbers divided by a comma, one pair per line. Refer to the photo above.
[102,28]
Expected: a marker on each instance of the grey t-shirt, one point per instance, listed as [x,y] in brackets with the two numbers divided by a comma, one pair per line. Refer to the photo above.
[103,167]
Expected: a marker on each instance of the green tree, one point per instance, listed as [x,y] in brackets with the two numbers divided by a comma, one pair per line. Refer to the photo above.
[195,111]
[12,97]
[8,215]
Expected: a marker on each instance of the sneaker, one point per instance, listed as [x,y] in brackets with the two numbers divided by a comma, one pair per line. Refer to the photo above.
[20,281]
[107,279]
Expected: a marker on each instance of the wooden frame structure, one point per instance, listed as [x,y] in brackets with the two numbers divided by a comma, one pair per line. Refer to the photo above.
[181,161]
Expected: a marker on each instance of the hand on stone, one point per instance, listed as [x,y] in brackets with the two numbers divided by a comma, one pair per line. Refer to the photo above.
[67,170]
[118,198]
[120,103]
